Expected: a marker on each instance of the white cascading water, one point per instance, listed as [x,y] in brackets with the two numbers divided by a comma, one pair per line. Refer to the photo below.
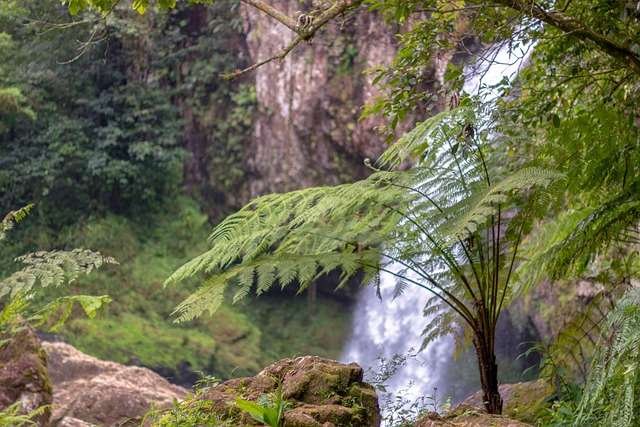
[385,327]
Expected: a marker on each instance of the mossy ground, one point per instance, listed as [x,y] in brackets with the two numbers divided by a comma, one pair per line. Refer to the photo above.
[137,326]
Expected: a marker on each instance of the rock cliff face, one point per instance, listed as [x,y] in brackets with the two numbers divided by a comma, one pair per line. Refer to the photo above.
[307,129]
[303,128]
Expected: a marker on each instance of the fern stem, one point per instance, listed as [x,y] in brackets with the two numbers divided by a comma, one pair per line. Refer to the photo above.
[449,260]
[468,317]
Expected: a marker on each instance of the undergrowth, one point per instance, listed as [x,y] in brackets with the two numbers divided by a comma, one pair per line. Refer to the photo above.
[137,328]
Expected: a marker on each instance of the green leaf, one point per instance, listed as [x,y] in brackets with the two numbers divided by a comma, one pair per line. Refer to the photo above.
[140,6]
[54,315]
[255,410]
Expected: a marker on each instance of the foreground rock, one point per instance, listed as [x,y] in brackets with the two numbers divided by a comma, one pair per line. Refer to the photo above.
[321,393]
[88,391]
[468,417]
[523,401]
[23,373]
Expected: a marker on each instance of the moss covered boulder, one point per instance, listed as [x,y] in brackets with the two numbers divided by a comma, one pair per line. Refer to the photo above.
[523,401]
[465,416]
[320,392]
[23,373]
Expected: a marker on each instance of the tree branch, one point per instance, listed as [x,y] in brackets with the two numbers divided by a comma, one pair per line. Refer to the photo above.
[304,30]
[279,57]
[274,13]
[576,29]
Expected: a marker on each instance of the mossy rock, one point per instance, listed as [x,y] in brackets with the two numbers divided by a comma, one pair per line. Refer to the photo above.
[465,416]
[23,373]
[320,392]
[523,401]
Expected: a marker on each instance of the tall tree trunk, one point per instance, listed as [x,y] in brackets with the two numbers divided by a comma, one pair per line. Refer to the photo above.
[488,374]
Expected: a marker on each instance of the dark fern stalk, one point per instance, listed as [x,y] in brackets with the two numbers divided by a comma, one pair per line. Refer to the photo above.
[451,225]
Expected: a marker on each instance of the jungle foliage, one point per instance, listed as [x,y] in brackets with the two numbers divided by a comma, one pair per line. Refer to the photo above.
[108,128]
[476,204]
[573,109]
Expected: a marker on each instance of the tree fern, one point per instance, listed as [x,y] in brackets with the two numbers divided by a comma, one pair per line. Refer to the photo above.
[450,225]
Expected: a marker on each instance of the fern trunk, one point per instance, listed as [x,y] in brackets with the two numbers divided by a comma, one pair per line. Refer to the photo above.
[488,374]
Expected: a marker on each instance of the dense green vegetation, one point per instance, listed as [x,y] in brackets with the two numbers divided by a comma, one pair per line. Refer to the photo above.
[482,204]
[101,145]
[239,340]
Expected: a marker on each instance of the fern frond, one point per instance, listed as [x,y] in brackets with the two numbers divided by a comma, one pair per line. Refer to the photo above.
[12,218]
[611,394]
[265,272]
[426,138]
[313,221]
[486,203]
[51,269]
[53,315]
[569,354]
[13,309]
[564,247]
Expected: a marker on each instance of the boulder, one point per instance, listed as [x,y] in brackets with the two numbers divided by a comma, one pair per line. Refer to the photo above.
[523,401]
[23,373]
[465,416]
[320,393]
[87,390]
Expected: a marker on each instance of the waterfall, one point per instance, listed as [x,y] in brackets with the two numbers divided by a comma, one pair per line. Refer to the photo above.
[384,327]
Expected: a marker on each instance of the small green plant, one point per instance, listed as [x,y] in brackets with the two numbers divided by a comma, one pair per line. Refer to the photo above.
[11,416]
[190,412]
[268,410]
[41,270]
[205,381]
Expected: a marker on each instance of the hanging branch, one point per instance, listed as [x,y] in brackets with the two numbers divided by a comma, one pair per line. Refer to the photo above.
[576,29]
[283,18]
[305,29]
